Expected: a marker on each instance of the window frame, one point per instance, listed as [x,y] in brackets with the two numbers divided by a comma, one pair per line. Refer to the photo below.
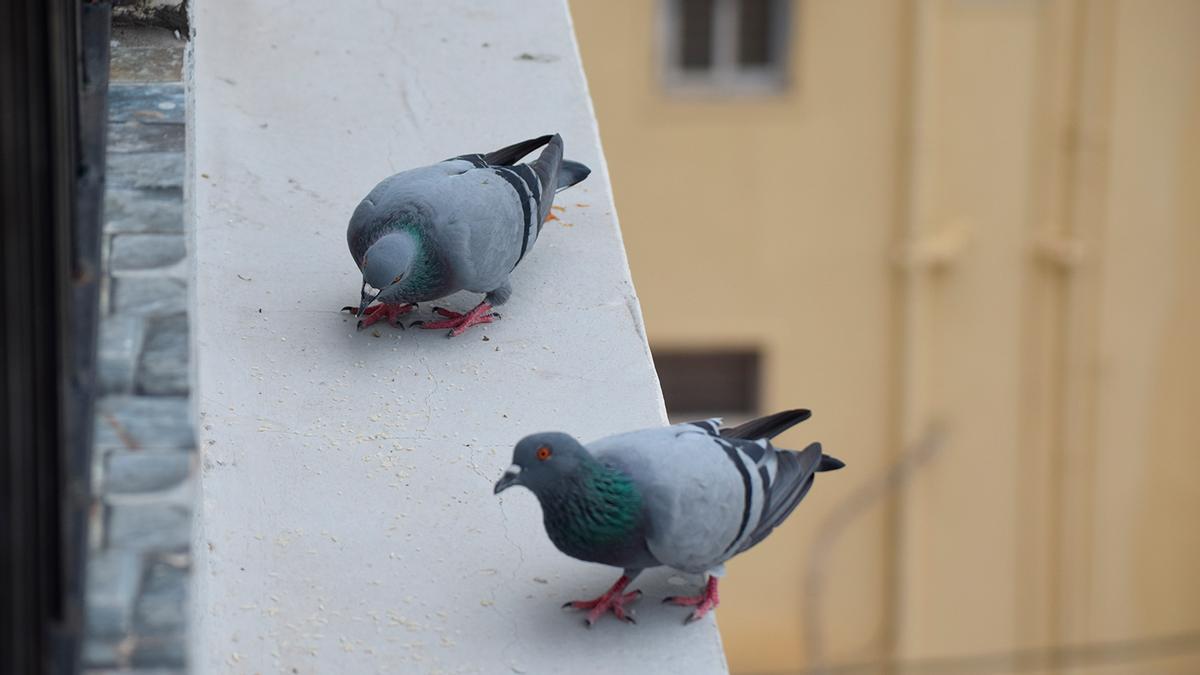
[726,76]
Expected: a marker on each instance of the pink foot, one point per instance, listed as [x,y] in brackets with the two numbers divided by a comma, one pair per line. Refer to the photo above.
[389,312]
[613,600]
[705,602]
[459,323]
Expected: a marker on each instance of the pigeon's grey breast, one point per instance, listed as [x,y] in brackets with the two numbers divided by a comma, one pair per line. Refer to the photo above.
[699,504]
[472,216]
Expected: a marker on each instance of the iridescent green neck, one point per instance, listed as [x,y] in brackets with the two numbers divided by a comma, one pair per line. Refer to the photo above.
[425,272]
[594,507]
[426,268]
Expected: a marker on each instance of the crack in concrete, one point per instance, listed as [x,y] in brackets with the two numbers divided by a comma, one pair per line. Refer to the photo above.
[428,397]
[391,47]
[520,564]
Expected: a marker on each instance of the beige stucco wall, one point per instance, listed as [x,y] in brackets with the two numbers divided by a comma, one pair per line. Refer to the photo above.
[979,214]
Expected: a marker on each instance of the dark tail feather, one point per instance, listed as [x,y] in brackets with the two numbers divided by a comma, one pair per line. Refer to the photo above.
[509,155]
[570,173]
[769,426]
[546,166]
[793,480]
[830,463]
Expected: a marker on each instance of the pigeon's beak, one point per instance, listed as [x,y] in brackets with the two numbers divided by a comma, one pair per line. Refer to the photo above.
[367,298]
[509,479]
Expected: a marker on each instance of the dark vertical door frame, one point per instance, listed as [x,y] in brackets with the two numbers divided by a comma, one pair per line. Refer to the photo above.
[53,79]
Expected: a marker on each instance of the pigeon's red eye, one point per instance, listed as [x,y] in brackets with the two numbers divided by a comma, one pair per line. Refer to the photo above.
[397,279]
[543,453]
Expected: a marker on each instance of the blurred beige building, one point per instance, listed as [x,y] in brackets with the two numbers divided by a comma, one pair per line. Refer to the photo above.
[978,216]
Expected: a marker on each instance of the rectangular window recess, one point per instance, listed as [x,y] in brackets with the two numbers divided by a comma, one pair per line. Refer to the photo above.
[700,383]
[725,46]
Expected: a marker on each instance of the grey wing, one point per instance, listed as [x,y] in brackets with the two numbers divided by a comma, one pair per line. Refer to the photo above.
[472,216]
[710,497]
[785,487]
[482,226]
[783,477]
[483,211]
[697,502]
[534,184]
[789,475]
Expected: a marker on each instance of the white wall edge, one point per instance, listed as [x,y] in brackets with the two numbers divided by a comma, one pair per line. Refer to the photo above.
[346,520]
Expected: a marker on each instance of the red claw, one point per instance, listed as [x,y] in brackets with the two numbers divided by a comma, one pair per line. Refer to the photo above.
[704,603]
[613,600]
[459,323]
[389,312]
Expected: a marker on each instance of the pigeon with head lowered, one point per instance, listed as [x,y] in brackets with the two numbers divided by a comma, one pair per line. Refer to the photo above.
[461,224]
[688,496]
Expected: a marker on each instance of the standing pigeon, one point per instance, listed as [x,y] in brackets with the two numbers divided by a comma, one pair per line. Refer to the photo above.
[461,224]
[688,496]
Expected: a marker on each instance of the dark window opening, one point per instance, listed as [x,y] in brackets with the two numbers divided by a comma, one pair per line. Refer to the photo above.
[709,383]
[754,32]
[696,29]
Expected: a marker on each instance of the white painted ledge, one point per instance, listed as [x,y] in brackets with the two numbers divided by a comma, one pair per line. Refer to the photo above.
[347,522]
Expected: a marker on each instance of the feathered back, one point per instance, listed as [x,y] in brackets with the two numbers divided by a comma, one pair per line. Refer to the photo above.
[794,471]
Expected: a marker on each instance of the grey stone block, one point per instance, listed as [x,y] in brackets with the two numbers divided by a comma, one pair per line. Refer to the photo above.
[149,296]
[143,210]
[113,579]
[146,251]
[146,137]
[102,654]
[119,347]
[163,369]
[160,527]
[160,651]
[136,471]
[134,422]
[145,170]
[145,54]
[159,102]
[162,607]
